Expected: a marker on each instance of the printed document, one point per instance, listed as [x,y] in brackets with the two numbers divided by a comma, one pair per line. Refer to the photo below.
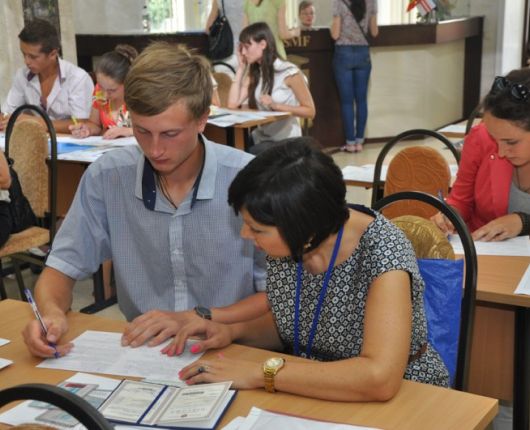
[516,246]
[101,352]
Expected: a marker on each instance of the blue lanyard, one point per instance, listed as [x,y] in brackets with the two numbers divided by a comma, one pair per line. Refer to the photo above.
[327,277]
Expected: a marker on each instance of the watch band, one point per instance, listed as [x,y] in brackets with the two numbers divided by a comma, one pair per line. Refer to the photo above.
[203,312]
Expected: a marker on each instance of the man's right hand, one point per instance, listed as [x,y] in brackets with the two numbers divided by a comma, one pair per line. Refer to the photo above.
[443,223]
[38,343]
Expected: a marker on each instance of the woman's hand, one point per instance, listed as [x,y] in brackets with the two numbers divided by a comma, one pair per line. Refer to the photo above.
[216,335]
[79,131]
[266,100]
[502,228]
[115,132]
[443,223]
[244,374]
[241,59]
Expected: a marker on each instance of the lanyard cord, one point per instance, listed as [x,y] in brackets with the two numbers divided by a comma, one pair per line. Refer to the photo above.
[316,317]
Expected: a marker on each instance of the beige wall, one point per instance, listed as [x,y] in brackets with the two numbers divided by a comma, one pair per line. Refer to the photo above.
[415,87]
[11,21]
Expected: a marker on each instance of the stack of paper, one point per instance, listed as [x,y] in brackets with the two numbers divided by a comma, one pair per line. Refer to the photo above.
[258,419]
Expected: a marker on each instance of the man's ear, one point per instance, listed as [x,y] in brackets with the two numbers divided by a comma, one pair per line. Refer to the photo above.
[201,122]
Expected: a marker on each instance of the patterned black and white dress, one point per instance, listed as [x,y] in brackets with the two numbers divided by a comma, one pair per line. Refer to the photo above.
[340,331]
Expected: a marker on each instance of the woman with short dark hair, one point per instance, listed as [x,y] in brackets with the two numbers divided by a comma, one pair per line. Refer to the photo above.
[342,282]
[492,187]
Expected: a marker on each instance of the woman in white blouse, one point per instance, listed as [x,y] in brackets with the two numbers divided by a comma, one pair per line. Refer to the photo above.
[266,82]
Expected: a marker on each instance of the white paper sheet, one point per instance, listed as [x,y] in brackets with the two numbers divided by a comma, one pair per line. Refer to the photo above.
[4,362]
[365,173]
[4,341]
[101,352]
[516,246]
[524,284]
[259,419]
[98,141]
[453,128]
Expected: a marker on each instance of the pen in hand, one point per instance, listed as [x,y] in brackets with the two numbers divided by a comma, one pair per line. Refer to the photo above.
[74,120]
[29,296]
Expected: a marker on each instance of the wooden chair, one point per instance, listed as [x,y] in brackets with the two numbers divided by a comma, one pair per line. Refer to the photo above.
[224,82]
[27,145]
[470,263]
[74,405]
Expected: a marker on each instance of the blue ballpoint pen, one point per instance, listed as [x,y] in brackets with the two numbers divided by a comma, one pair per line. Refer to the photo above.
[29,296]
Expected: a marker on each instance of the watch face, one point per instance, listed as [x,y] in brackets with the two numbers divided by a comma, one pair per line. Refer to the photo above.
[274,362]
[203,312]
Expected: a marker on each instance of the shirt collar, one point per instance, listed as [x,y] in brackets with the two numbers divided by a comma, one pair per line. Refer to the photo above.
[30,75]
[203,189]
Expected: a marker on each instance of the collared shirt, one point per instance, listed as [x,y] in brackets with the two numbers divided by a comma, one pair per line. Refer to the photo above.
[166,258]
[71,94]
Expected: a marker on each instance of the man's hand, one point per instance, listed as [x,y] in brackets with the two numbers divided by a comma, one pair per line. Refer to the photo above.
[155,327]
[38,344]
[502,228]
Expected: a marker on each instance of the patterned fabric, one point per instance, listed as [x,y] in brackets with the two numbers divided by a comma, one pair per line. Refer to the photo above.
[166,258]
[70,95]
[340,330]
[103,106]
[350,33]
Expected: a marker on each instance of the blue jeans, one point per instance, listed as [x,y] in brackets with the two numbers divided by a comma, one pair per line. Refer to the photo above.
[352,67]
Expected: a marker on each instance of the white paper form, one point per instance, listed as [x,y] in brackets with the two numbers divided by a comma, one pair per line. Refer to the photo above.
[4,362]
[516,246]
[98,141]
[453,128]
[524,284]
[259,419]
[101,352]
[365,173]
[4,341]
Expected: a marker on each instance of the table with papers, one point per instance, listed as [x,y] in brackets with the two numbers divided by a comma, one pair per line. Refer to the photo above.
[467,411]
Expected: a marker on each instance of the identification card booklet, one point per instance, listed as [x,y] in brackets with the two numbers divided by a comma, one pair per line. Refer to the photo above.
[165,406]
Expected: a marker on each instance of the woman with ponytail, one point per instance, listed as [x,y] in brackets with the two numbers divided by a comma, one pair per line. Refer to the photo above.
[109,114]
[352,20]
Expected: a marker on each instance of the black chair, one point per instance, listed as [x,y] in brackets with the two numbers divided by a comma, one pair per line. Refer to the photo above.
[223,64]
[378,183]
[470,277]
[76,406]
[37,173]
[475,114]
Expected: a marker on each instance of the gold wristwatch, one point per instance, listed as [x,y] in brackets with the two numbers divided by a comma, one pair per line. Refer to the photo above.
[270,368]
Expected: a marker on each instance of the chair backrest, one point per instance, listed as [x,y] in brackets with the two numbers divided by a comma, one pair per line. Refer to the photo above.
[475,114]
[224,82]
[76,406]
[470,277]
[27,144]
[416,168]
[426,238]
[377,185]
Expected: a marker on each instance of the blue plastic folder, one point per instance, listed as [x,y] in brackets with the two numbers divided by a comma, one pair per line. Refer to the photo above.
[64,148]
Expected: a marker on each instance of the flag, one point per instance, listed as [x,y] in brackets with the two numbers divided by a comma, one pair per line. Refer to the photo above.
[424,6]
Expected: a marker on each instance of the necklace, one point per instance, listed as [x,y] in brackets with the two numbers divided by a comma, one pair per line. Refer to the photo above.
[518,182]
[162,183]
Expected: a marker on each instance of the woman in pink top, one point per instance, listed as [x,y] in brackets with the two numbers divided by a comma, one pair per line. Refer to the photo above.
[109,114]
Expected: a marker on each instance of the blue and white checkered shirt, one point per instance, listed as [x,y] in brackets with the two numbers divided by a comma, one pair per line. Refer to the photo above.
[166,258]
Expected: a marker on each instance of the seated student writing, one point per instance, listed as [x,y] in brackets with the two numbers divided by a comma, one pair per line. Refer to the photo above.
[109,115]
[492,187]
[342,283]
[62,89]
[266,82]
[159,211]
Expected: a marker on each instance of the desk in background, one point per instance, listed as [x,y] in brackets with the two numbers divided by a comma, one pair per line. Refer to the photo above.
[416,406]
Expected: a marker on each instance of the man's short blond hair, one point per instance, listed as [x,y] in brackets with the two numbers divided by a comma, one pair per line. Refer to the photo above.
[164,74]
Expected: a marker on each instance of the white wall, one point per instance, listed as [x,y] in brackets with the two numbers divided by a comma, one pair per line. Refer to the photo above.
[108,16]
[11,22]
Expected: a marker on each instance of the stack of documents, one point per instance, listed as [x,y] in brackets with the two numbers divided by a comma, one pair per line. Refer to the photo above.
[222,117]
[132,405]
[258,419]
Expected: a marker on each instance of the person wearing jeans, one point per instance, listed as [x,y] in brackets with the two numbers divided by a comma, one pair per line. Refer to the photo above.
[351,64]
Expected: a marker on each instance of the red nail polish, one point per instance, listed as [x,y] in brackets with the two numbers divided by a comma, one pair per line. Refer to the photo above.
[194,348]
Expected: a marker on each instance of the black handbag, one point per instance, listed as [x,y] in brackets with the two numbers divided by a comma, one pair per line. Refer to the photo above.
[220,39]
[22,216]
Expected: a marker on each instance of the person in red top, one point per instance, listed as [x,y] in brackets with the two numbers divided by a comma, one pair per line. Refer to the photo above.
[109,115]
[491,191]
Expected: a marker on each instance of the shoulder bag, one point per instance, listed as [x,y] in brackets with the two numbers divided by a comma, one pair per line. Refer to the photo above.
[22,216]
[220,39]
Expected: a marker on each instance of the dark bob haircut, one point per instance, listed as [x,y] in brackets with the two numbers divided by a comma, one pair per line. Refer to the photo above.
[41,32]
[296,188]
[504,102]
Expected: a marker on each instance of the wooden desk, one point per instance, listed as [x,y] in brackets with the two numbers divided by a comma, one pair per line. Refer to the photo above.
[416,406]
[500,353]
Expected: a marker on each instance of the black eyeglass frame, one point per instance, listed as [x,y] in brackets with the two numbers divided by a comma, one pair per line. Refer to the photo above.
[518,92]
